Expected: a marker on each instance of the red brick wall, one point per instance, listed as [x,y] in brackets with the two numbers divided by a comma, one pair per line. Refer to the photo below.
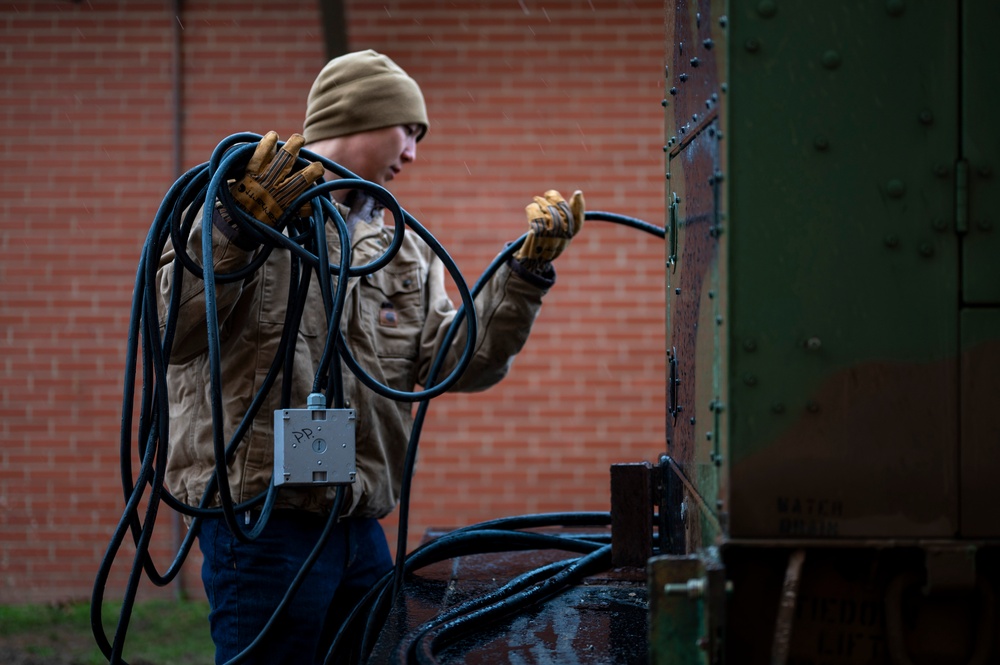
[522,96]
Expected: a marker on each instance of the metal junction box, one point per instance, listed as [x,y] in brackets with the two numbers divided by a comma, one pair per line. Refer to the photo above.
[313,446]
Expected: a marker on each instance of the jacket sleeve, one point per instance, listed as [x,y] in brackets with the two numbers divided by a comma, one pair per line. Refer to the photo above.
[190,336]
[506,307]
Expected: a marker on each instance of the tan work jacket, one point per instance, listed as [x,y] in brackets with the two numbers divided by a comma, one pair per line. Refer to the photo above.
[393,322]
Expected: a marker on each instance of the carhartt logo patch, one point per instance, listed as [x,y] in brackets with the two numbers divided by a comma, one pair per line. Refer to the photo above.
[387,315]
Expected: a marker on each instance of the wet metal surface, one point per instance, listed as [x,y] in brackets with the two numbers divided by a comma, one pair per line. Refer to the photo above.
[603,620]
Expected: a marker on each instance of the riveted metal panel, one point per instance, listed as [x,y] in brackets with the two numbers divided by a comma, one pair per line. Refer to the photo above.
[843,280]
[981,151]
[695,302]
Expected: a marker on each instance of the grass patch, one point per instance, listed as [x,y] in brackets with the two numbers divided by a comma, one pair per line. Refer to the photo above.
[161,632]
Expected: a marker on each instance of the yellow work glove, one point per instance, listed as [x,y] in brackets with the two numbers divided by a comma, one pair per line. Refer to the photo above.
[552,223]
[266,188]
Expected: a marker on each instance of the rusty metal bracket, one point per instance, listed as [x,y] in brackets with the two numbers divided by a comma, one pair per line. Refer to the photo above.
[786,608]
[687,596]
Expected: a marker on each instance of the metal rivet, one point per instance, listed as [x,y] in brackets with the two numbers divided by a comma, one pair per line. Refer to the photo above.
[926,117]
[752,45]
[814,343]
[895,7]
[831,59]
[821,143]
[926,250]
[708,435]
[749,345]
[673,91]
[695,62]
[683,77]
[724,87]
[895,188]
[711,294]
[692,421]
[766,8]
[723,21]
[694,118]
[718,320]
[677,291]
[891,241]
[708,44]
[663,103]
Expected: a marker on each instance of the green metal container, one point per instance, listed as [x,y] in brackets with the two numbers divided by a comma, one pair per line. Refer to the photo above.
[833,304]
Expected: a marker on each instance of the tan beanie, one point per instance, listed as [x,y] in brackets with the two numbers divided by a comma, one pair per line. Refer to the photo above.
[362,91]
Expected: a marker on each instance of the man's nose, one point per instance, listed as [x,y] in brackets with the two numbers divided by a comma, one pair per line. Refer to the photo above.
[409,150]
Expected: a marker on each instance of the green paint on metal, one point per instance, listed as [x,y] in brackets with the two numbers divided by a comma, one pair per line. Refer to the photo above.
[981,149]
[835,126]
[677,613]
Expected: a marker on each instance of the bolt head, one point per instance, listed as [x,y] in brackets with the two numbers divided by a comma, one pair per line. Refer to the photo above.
[895,188]
[831,59]
[766,8]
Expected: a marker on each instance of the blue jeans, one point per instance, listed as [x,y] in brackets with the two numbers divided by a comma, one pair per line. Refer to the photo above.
[246,581]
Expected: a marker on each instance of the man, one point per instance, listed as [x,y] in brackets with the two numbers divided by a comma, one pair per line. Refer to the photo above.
[366,114]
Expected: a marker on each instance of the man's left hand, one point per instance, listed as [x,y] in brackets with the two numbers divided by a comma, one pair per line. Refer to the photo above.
[552,223]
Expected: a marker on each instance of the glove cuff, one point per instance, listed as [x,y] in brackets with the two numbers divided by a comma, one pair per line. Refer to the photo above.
[227,227]
[539,275]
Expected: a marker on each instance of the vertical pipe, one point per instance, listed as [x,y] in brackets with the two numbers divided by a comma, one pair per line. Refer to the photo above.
[180,592]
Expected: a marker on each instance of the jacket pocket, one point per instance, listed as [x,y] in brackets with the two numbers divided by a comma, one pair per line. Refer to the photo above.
[392,304]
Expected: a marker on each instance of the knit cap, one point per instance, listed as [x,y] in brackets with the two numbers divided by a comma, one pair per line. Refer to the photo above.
[361,91]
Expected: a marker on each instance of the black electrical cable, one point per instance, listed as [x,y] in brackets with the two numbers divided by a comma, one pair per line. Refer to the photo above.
[405,649]
[421,414]
[494,536]
[199,189]
[374,606]
[466,624]
[188,194]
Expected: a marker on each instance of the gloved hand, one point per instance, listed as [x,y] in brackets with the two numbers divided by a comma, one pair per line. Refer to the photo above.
[266,189]
[552,224]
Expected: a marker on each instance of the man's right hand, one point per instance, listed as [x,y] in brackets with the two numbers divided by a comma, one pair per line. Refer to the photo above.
[266,189]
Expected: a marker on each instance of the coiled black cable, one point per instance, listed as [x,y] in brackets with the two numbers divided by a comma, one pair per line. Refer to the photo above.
[199,189]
